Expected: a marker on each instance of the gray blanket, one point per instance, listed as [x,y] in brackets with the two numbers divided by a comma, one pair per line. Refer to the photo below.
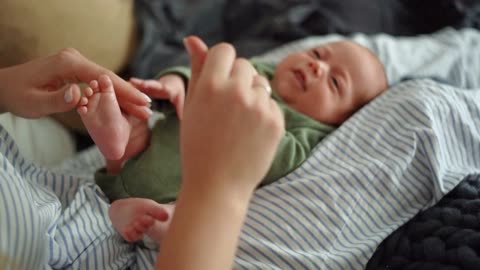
[255,26]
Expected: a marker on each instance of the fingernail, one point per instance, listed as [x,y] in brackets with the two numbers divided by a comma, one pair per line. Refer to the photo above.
[68,96]
[148,110]
[147,98]
[186,45]
[133,79]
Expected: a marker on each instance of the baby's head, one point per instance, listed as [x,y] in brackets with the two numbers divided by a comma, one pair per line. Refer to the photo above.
[330,82]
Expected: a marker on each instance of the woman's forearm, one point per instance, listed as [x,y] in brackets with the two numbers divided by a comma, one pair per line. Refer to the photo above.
[204,231]
[218,178]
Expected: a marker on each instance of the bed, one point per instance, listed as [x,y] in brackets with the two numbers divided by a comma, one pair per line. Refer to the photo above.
[396,157]
[395,187]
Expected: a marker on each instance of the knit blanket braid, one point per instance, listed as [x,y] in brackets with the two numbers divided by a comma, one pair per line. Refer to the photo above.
[445,236]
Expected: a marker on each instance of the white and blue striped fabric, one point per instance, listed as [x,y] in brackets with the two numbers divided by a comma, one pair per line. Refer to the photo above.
[398,155]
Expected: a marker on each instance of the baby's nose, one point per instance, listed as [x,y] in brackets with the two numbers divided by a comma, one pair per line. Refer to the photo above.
[318,67]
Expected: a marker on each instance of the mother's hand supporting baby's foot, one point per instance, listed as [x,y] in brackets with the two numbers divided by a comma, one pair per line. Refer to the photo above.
[48,85]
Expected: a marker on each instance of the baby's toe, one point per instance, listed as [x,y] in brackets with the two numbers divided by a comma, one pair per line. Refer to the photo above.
[146,220]
[159,213]
[94,84]
[88,92]
[83,101]
[139,227]
[105,84]
[82,110]
[130,235]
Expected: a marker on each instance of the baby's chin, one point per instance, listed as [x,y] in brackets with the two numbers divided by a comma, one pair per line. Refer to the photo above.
[282,93]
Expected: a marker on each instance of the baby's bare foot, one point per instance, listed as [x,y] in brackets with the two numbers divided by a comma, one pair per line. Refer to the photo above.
[103,118]
[135,217]
[137,142]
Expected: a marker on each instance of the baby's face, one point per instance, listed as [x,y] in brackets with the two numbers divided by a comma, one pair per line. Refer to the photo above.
[330,82]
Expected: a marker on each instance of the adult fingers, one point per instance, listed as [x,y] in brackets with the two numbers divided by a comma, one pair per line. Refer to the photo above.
[179,101]
[72,66]
[243,72]
[141,112]
[278,117]
[261,83]
[62,100]
[261,88]
[219,62]
[197,51]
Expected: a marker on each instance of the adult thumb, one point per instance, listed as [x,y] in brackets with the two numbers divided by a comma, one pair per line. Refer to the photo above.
[62,100]
[197,51]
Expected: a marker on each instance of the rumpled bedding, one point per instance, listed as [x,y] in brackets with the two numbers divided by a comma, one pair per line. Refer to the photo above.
[397,156]
[400,154]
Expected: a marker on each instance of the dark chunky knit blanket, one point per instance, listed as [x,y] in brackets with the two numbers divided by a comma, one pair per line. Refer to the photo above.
[445,236]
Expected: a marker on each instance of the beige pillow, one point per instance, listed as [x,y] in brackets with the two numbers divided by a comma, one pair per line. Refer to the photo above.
[102,30]
[42,140]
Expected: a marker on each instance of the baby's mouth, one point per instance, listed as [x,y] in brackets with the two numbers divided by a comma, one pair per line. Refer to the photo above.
[300,76]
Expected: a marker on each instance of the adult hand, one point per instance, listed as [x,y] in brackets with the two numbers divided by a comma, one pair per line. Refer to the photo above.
[48,85]
[231,127]
[228,137]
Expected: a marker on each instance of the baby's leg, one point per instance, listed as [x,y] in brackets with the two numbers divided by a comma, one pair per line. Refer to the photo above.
[137,142]
[134,217]
[103,118]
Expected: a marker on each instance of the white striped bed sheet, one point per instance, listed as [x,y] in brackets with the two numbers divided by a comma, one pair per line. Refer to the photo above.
[398,155]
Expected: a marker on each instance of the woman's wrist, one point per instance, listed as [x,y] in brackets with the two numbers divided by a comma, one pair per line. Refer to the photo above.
[221,190]
[204,215]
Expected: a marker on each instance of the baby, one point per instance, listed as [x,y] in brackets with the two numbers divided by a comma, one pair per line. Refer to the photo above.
[317,90]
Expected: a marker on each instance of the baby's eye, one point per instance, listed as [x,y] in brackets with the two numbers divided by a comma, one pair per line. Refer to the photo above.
[335,82]
[317,54]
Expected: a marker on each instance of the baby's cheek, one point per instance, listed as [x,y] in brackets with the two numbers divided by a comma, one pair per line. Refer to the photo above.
[286,90]
[288,99]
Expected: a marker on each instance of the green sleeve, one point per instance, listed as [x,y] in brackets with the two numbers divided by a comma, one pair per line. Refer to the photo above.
[181,71]
[263,68]
[302,134]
